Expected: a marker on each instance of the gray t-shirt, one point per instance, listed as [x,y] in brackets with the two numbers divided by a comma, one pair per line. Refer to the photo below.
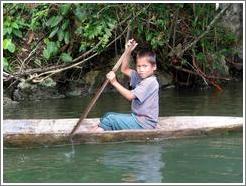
[146,104]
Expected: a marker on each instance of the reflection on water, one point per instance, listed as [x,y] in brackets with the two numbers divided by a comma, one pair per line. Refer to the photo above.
[197,160]
[144,161]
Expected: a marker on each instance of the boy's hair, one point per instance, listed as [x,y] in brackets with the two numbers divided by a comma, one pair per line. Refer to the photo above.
[150,55]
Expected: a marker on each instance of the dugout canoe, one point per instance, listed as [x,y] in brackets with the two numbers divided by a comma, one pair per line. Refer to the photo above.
[48,132]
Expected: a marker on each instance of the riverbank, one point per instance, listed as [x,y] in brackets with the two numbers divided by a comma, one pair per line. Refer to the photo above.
[55,89]
[51,89]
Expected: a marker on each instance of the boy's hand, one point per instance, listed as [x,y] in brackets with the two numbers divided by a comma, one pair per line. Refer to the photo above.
[111,77]
[131,44]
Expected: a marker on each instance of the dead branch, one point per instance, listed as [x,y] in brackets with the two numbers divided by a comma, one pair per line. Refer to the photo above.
[7,76]
[37,78]
[28,57]
[49,71]
[179,68]
[175,26]
[207,30]
[190,45]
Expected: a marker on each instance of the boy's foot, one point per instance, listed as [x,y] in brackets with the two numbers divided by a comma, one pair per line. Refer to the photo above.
[96,129]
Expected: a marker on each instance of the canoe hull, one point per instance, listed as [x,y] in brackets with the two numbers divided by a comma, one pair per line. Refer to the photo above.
[50,132]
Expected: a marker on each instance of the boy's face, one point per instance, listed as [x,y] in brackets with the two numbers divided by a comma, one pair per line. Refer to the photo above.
[144,67]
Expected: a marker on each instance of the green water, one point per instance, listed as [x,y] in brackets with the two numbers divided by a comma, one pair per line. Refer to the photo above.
[215,159]
[172,103]
[195,160]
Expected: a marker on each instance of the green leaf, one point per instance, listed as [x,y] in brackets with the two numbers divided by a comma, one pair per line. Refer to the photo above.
[9,30]
[7,22]
[50,21]
[52,47]
[82,48]
[60,35]
[65,9]
[51,50]
[148,36]
[18,33]
[4,31]
[140,28]
[79,30]
[80,14]
[46,54]
[15,25]
[111,24]
[46,40]
[5,64]
[58,44]
[65,24]
[54,20]
[108,32]
[66,57]
[200,57]
[11,47]
[8,45]
[54,31]
[66,37]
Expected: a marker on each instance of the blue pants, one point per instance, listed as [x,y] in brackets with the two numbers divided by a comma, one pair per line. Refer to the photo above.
[118,121]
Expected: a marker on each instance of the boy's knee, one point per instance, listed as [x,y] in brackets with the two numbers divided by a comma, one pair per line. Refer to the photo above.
[109,116]
[105,123]
[109,120]
[112,118]
[104,120]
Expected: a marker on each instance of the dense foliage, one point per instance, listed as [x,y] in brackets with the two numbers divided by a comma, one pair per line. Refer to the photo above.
[44,35]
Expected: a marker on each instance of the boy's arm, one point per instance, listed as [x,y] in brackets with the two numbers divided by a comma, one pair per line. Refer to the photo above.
[125,66]
[125,63]
[122,90]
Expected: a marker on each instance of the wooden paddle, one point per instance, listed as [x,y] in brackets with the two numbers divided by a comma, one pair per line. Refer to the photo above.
[98,93]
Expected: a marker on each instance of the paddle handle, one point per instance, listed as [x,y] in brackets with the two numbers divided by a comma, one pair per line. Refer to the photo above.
[98,93]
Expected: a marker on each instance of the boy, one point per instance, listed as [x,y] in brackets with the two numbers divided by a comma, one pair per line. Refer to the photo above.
[144,95]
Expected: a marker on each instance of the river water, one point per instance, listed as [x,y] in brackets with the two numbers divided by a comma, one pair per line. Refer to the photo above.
[217,159]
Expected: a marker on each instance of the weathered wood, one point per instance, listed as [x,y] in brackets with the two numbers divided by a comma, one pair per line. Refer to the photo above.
[47,132]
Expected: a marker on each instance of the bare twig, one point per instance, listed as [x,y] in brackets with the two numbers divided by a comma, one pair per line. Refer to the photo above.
[207,30]
[175,26]
[28,57]
[199,72]
[190,45]
[52,72]
[45,73]
[87,53]
[179,68]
